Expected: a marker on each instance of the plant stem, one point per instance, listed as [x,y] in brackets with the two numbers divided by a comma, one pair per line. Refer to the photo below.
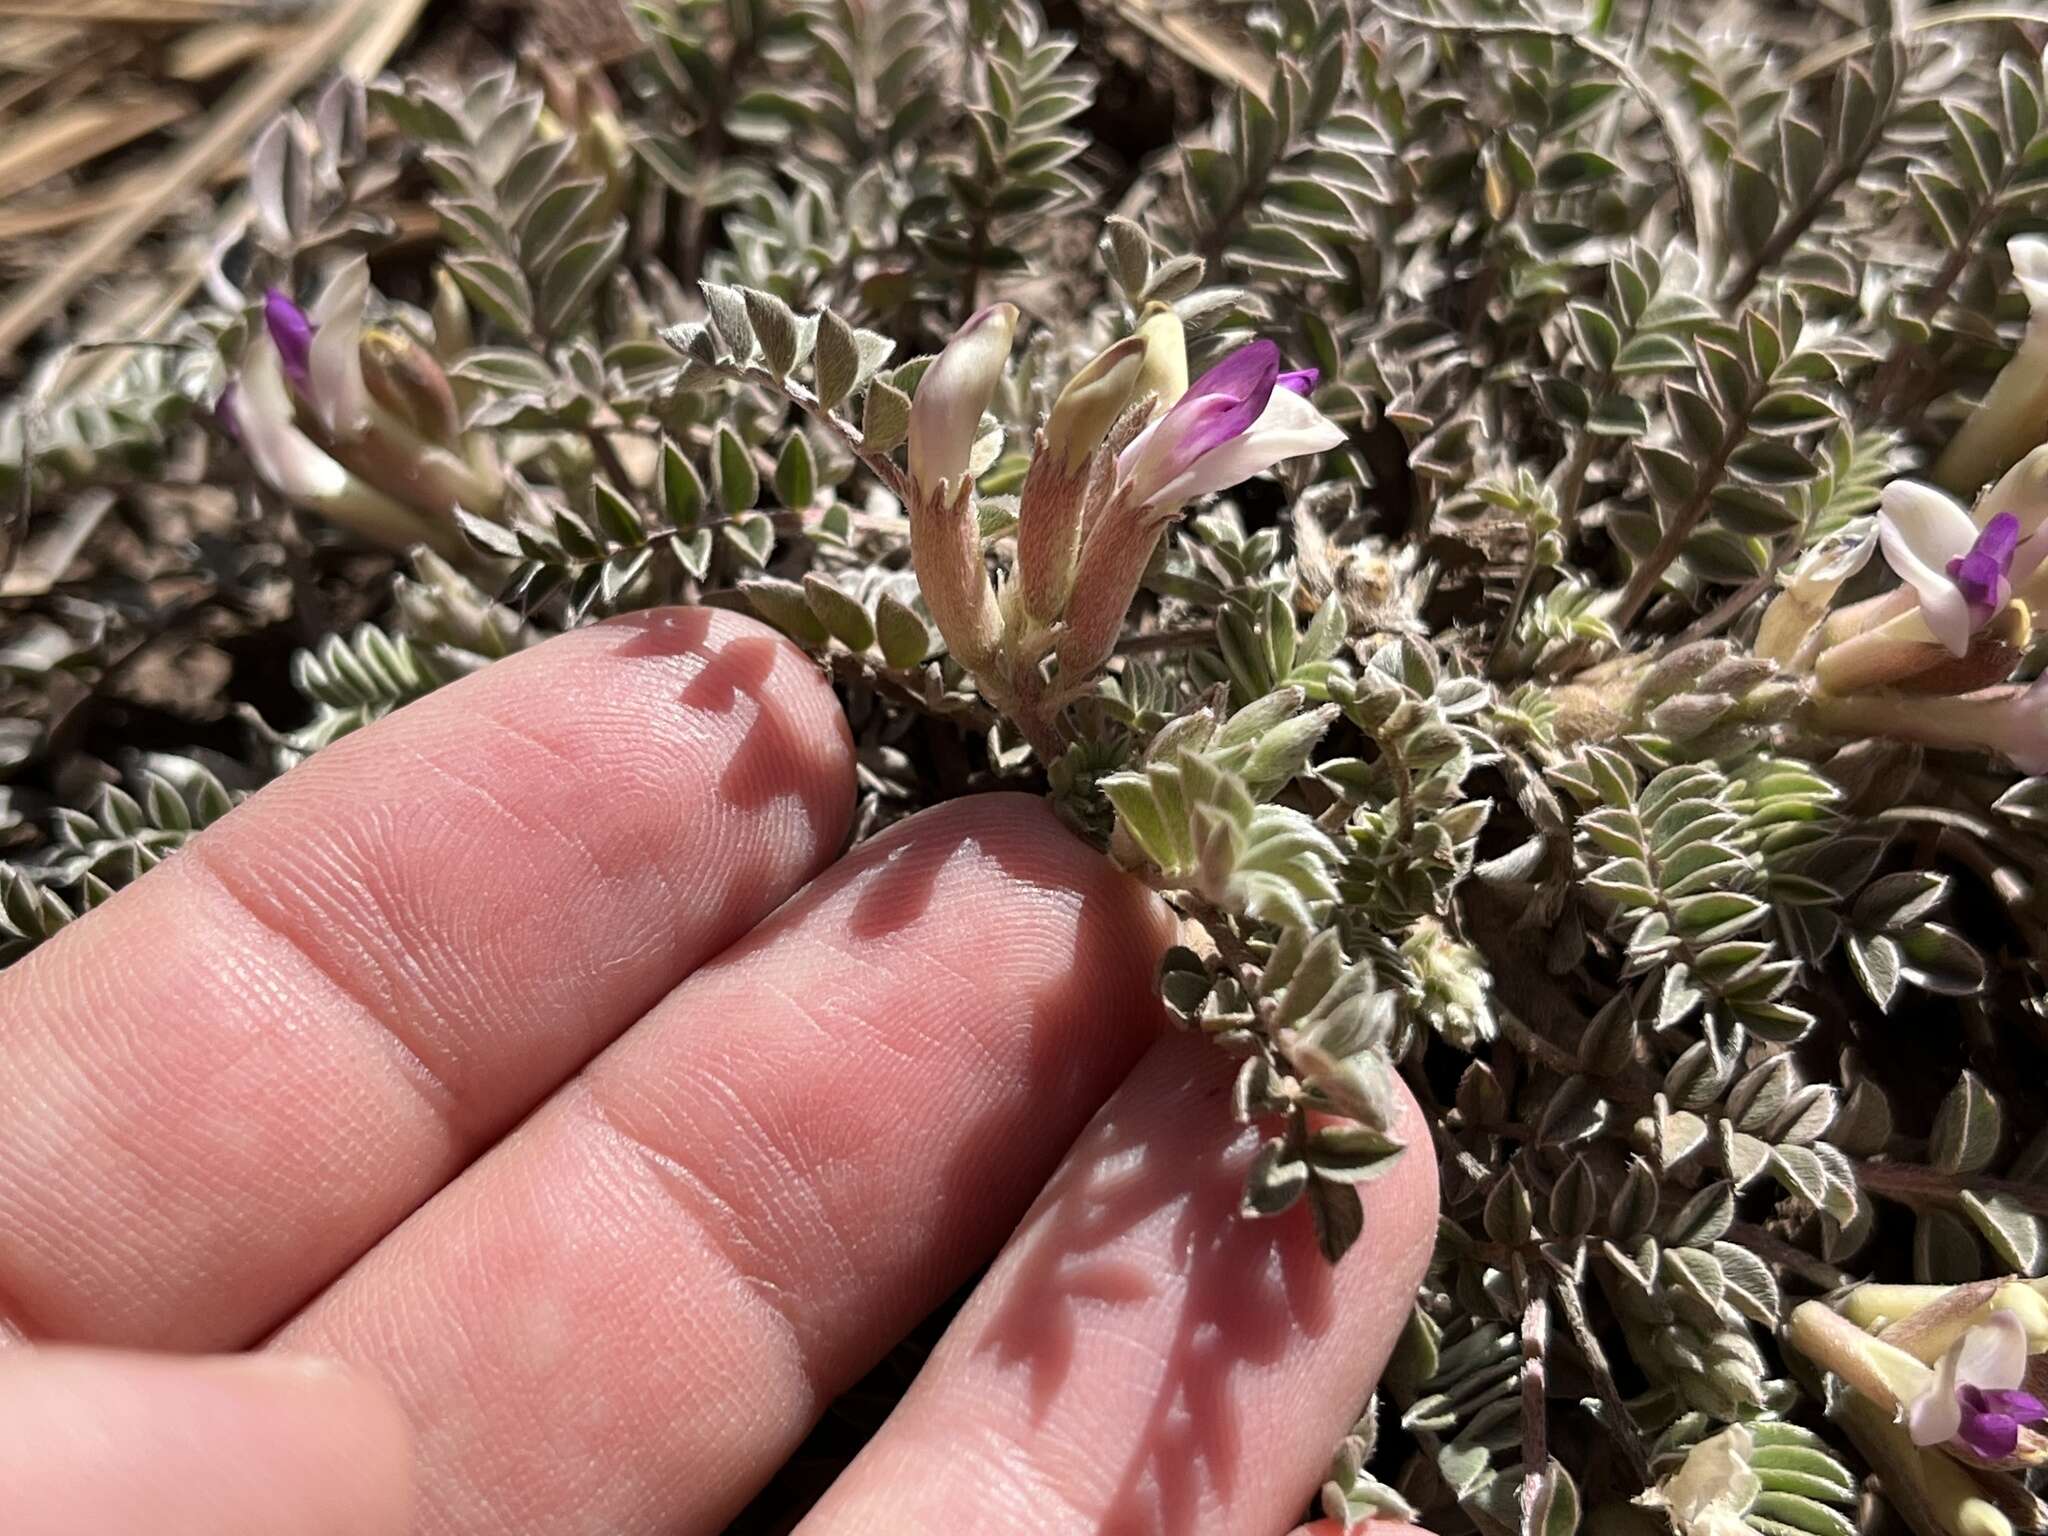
[1186,638]
[1620,1422]
[1535,1414]
[1642,583]
[1913,1184]
[1787,234]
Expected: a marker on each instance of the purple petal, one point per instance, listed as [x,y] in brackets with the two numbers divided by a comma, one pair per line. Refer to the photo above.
[1999,538]
[1992,1436]
[1223,403]
[1301,380]
[1251,368]
[2021,1407]
[1980,575]
[292,332]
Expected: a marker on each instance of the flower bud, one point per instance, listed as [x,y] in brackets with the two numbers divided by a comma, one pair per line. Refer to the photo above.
[403,377]
[1093,399]
[453,332]
[1062,476]
[258,412]
[953,393]
[1796,613]
[1165,374]
[1113,562]
[2013,417]
[945,551]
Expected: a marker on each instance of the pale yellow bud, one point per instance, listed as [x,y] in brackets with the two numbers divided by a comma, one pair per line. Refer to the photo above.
[1165,374]
[1093,399]
[2013,417]
[405,379]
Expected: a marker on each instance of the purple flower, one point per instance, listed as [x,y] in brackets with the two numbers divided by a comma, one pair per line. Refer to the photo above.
[1963,575]
[293,333]
[1237,420]
[1981,573]
[1991,1420]
[319,350]
[1975,1397]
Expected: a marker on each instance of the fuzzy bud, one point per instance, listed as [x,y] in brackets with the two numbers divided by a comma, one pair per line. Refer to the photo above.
[955,390]
[1057,489]
[1165,374]
[403,377]
[1113,561]
[945,550]
[1092,401]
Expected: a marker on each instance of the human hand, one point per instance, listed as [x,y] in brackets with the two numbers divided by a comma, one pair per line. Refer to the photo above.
[528,1053]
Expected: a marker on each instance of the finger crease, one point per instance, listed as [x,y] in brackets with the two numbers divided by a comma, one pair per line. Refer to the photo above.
[431,1085]
[712,1221]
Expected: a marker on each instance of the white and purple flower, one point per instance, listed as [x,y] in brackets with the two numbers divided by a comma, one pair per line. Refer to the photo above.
[1976,1397]
[1963,575]
[320,430]
[1238,420]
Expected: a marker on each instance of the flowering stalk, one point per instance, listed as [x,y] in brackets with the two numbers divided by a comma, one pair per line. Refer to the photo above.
[945,534]
[318,395]
[1894,1411]
[1238,420]
[2011,720]
[2013,417]
[1124,449]
[256,410]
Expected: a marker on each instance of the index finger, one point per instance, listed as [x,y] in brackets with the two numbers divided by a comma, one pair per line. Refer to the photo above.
[223,1086]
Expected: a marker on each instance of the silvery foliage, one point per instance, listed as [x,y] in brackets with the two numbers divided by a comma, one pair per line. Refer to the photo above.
[1452,750]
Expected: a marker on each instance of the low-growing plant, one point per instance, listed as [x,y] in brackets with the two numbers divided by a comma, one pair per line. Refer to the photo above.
[1523,526]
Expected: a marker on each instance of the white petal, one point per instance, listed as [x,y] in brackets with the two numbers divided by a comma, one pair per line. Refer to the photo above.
[282,454]
[2029,255]
[1936,1416]
[1922,530]
[1149,461]
[1993,1355]
[1832,562]
[945,414]
[2022,491]
[336,367]
[1932,525]
[1288,428]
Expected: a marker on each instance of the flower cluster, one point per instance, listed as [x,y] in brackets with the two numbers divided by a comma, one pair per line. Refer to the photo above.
[357,424]
[1946,1390]
[1930,660]
[1128,443]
